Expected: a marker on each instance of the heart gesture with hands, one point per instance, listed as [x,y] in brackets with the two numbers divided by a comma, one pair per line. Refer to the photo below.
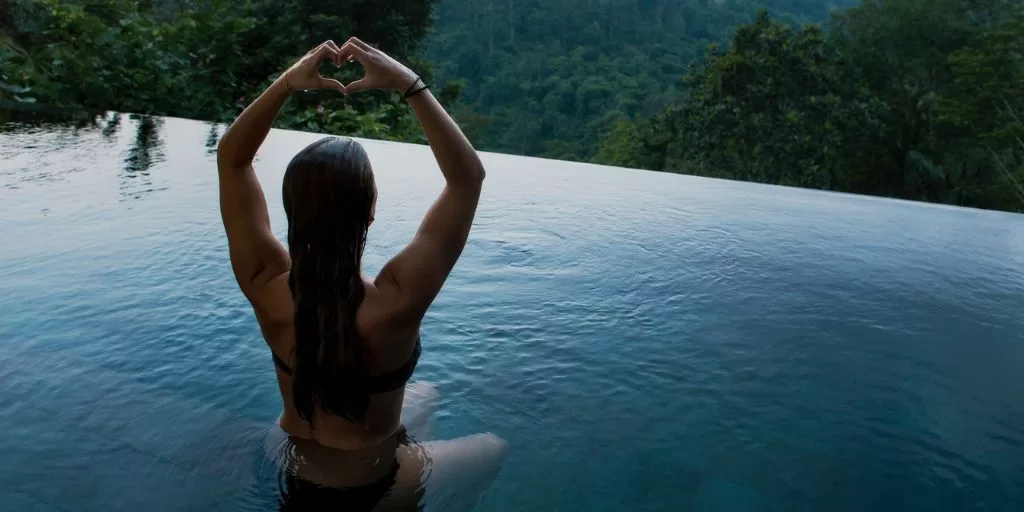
[305,74]
[381,70]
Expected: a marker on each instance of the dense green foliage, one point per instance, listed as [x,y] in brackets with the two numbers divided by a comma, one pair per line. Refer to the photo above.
[915,99]
[919,99]
[545,77]
[203,59]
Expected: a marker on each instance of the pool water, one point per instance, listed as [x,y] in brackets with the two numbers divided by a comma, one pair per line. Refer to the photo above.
[643,341]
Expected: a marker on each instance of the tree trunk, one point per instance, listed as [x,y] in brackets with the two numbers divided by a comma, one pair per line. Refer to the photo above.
[6,17]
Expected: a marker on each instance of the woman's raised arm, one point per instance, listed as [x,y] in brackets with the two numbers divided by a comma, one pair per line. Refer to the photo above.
[417,273]
[256,256]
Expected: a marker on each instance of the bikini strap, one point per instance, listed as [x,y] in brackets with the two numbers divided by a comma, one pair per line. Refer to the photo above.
[280,363]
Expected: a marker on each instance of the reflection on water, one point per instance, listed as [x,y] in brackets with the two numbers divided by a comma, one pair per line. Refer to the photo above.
[212,138]
[39,118]
[146,151]
[41,138]
[36,135]
[113,124]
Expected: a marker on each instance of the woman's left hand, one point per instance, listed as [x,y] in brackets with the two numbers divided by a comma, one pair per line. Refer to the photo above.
[305,74]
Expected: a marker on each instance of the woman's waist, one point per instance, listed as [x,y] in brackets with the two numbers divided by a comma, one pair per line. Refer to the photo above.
[337,460]
[340,434]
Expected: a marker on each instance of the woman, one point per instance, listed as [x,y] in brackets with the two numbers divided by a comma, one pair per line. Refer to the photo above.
[345,345]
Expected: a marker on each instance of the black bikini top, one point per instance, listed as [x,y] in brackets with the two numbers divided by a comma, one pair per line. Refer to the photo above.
[377,383]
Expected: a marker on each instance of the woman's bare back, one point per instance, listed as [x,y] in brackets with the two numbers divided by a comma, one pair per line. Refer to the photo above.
[387,345]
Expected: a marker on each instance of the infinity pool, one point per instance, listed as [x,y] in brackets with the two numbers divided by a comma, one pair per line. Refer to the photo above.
[643,341]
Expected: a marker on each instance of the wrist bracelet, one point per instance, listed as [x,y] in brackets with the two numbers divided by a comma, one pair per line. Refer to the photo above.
[413,84]
[417,91]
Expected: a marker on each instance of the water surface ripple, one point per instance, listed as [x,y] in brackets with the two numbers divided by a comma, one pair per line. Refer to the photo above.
[645,342]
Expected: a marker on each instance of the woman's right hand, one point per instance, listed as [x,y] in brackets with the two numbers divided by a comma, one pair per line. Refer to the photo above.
[382,71]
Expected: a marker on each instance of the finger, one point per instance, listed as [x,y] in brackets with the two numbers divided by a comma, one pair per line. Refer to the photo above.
[359,85]
[358,42]
[326,52]
[334,46]
[313,50]
[352,51]
[330,83]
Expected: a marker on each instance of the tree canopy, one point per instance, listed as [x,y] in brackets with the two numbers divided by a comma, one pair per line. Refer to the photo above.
[544,78]
[917,99]
[204,59]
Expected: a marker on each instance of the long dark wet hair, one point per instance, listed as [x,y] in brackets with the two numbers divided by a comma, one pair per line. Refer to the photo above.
[328,196]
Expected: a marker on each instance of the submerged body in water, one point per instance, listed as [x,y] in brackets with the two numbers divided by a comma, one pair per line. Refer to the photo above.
[427,474]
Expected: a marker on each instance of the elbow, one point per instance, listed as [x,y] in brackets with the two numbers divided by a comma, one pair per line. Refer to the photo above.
[470,176]
[223,154]
[230,149]
[475,177]
[474,167]
[476,171]
[227,155]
